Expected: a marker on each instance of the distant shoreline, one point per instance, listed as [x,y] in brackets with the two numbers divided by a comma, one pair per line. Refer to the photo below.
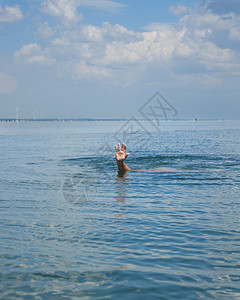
[99,119]
[58,120]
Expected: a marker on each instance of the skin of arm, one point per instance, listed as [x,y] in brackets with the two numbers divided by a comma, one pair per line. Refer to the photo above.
[121,156]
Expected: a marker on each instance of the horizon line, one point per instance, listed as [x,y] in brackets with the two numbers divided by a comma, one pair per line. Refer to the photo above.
[110,119]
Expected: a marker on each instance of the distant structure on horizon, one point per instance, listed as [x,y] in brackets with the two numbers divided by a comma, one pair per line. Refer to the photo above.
[17,110]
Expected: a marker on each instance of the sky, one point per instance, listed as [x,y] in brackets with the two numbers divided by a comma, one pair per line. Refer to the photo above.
[105,59]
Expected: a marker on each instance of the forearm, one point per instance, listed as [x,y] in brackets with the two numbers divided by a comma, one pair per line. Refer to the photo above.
[122,166]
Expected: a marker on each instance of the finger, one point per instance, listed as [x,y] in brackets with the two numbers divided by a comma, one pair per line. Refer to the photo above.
[122,146]
[116,148]
[125,147]
[119,148]
[127,155]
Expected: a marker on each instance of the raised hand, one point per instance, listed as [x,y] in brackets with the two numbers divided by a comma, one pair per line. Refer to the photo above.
[121,156]
[121,152]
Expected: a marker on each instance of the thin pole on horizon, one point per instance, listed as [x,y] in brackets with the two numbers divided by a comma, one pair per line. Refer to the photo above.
[17,110]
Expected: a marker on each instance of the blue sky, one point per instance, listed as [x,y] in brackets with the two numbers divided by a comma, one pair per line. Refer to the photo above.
[105,59]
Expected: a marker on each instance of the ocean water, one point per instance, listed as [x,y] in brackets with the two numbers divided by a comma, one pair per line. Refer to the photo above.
[72,227]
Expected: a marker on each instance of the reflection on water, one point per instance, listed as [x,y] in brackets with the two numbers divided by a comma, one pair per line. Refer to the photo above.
[121,186]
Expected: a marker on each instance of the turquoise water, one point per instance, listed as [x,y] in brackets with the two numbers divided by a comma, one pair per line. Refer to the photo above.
[72,227]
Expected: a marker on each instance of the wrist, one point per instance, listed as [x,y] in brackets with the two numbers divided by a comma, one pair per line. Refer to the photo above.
[122,166]
[120,161]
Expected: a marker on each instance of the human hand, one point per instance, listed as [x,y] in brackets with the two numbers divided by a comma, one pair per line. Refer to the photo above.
[121,152]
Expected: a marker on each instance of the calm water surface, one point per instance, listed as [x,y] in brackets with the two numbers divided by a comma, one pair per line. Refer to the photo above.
[72,227]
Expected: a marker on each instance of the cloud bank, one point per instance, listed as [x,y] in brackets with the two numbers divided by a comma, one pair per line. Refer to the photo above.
[193,45]
[10,14]
[202,45]
[70,62]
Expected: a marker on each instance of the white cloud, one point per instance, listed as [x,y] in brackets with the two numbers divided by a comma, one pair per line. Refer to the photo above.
[206,38]
[92,33]
[67,10]
[32,53]
[28,50]
[150,46]
[7,83]
[41,59]
[61,42]
[10,14]
[178,10]
[83,70]
[63,9]
[234,34]
[108,32]
[45,31]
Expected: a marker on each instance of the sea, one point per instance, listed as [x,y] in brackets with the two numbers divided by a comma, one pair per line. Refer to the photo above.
[73,227]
